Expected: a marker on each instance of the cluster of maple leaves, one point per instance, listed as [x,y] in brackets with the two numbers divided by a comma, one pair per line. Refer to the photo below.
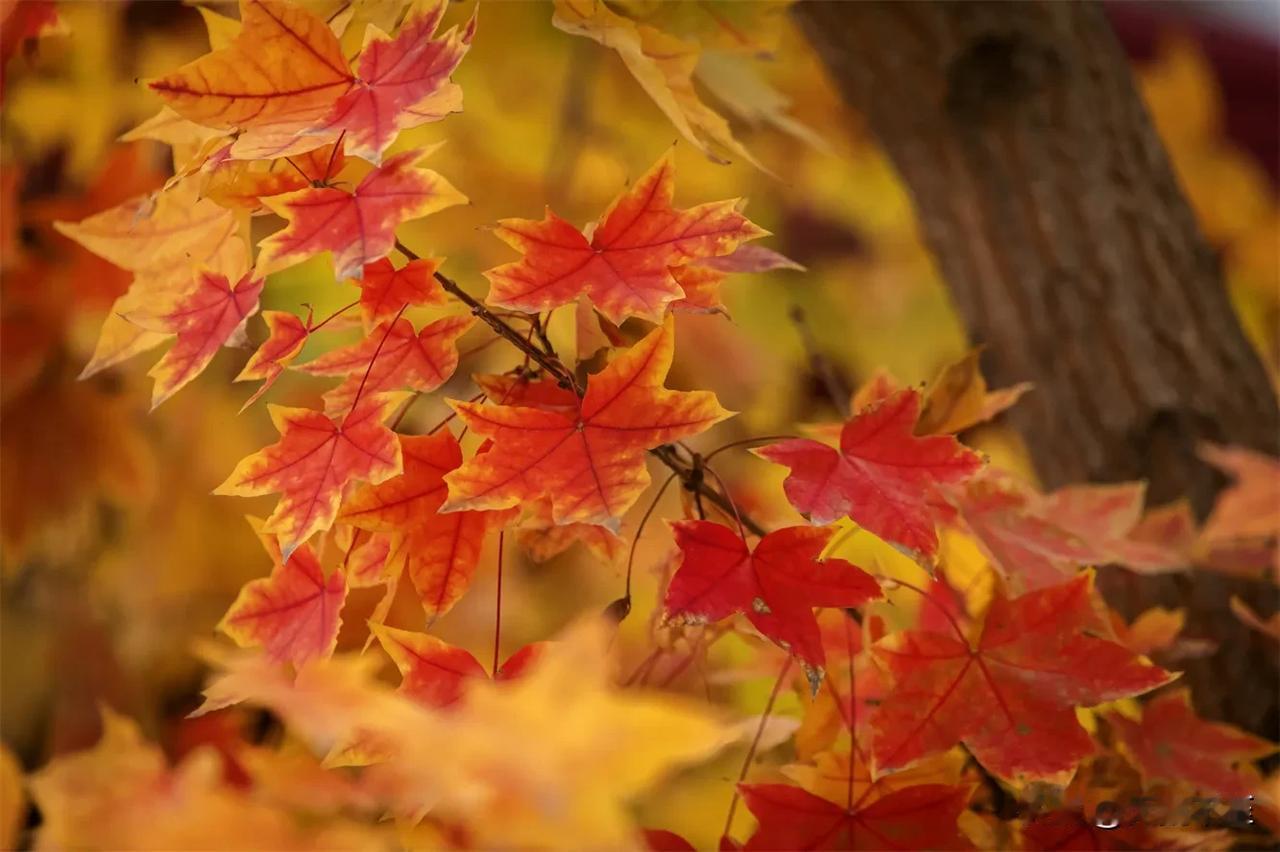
[275,120]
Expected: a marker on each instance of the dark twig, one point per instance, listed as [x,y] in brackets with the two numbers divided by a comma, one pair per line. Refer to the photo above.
[687,471]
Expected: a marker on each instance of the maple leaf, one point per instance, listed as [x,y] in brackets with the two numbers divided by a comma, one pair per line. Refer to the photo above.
[881,476]
[624,268]
[922,817]
[662,64]
[1008,694]
[285,67]
[401,82]
[560,748]
[958,398]
[122,794]
[1172,743]
[385,290]
[589,462]
[358,227]
[161,238]
[286,335]
[315,458]
[294,614]
[1250,508]
[392,357]
[776,585]
[441,550]
[204,318]
[1153,630]
[1040,539]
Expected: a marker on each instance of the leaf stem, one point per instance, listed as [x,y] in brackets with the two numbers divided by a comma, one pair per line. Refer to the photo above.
[312,329]
[497,616]
[755,742]
[763,439]
[369,369]
[955,625]
[635,540]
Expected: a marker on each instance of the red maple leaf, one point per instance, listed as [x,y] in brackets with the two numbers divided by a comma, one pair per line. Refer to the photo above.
[294,614]
[1172,743]
[441,550]
[358,227]
[314,460]
[392,357]
[588,461]
[401,82]
[881,476]
[204,318]
[624,268]
[286,335]
[922,817]
[1009,694]
[776,585]
[385,290]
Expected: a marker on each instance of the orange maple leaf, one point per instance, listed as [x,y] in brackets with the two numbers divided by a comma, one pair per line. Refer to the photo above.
[284,69]
[161,238]
[315,458]
[589,461]
[359,227]
[625,266]
[204,319]
[441,550]
[392,357]
[287,334]
[294,614]
[384,290]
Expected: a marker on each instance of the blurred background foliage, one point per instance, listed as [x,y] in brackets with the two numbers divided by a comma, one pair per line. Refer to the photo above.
[115,555]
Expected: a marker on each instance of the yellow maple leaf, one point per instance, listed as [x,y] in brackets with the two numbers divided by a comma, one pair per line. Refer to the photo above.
[662,64]
[543,760]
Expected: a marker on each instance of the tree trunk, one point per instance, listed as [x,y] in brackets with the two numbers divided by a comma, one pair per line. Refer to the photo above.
[1051,209]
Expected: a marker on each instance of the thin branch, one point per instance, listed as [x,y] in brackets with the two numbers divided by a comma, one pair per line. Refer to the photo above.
[552,365]
[542,359]
[497,615]
[755,743]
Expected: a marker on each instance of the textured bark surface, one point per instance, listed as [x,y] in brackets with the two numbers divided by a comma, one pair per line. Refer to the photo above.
[1051,209]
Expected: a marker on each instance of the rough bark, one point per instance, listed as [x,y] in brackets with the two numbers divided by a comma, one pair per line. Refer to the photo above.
[1070,251]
